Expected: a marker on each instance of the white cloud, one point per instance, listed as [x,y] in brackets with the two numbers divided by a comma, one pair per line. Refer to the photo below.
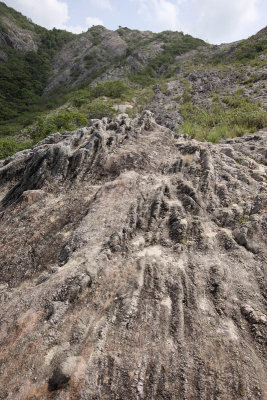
[51,13]
[163,13]
[75,29]
[216,21]
[94,21]
[213,20]
[105,4]
[48,13]
[224,20]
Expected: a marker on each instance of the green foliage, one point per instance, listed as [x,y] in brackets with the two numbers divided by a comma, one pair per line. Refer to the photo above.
[113,89]
[253,78]
[249,50]
[89,59]
[144,78]
[243,220]
[11,146]
[15,16]
[175,44]
[99,109]
[75,72]
[143,97]
[186,98]
[60,122]
[80,97]
[234,116]
[23,77]
[96,34]
[9,130]
[246,52]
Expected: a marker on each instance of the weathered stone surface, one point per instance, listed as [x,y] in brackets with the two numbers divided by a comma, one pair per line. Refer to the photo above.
[18,38]
[132,266]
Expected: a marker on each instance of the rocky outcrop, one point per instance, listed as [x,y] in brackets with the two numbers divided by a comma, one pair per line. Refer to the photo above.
[132,266]
[201,86]
[18,38]
[85,56]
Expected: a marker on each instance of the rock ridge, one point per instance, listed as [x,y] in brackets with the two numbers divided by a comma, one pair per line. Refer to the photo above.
[132,265]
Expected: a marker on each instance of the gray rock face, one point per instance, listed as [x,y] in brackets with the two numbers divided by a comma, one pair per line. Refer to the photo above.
[3,56]
[18,38]
[132,266]
[85,56]
[203,84]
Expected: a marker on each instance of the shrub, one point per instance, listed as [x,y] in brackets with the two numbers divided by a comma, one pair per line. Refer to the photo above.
[11,146]
[64,120]
[235,116]
[113,89]
[99,109]
[80,97]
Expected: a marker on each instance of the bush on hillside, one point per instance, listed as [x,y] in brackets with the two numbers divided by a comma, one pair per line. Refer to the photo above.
[11,146]
[235,116]
[60,122]
[113,89]
[99,109]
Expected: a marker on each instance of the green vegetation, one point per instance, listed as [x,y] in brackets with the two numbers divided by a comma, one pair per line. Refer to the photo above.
[25,113]
[11,146]
[246,52]
[112,89]
[43,126]
[143,97]
[24,75]
[91,100]
[243,220]
[15,16]
[249,50]
[229,117]
[164,65]
[99,109]
[60,122]
[90,103]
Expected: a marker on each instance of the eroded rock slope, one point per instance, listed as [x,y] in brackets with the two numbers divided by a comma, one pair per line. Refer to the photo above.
[132,266]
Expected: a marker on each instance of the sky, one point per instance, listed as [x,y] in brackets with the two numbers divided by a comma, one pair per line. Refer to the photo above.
[216,21]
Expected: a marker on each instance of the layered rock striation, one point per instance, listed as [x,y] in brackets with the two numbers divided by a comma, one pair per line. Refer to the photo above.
[132,266]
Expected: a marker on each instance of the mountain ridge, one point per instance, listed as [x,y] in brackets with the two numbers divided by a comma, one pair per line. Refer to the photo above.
[63,70]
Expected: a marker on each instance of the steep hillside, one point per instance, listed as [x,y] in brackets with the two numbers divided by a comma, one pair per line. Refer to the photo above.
[53,80]
[105,54]
[132,266]
[26,51]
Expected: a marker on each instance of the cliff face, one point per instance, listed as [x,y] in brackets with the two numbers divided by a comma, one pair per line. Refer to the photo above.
[132,266]
[24,40]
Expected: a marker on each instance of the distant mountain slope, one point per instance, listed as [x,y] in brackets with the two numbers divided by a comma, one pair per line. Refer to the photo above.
[104,54]
[43,72]
[26,51]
